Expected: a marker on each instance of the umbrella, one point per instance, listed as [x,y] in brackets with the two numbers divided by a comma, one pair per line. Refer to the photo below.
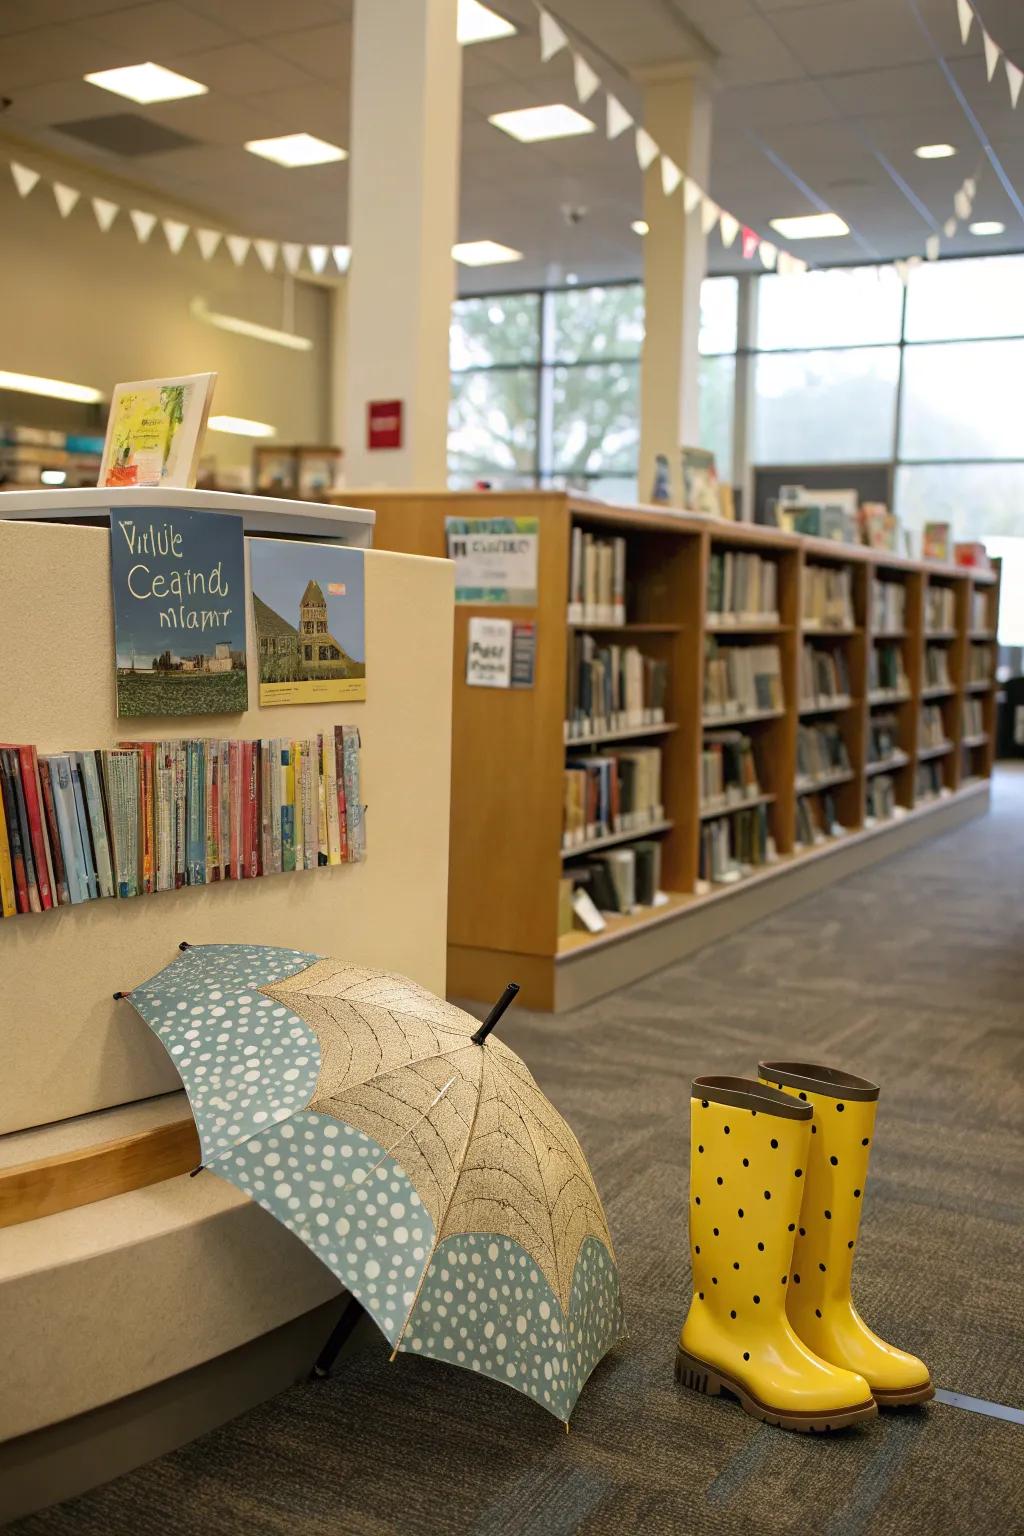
[408,1147]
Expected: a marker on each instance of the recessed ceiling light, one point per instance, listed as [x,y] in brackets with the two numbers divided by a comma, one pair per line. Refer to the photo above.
[484,253]
[987,227]
[811,226]
[934,151]
[477,24]
[147,83]
[640,227]
[54,389]
[294,149]
[531,124]
[241,426]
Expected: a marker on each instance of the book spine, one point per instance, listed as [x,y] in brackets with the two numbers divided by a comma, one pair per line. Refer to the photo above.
[148,764]
[253,810]
[353,796]
[339,772]
[51,866]
[235,783]
[97,824]
[310,839]
[266,807]
[35,825]
[330,777]
[84,829]
[209,805]
[68,829]
[287,808]
[17,853]
[53,835]
[195,816]
[8,903]
[276,786]
[299,819]
[23,828]
[323,835]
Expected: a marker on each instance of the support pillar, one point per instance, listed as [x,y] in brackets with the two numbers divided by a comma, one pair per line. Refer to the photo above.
[406,107]
[677,112]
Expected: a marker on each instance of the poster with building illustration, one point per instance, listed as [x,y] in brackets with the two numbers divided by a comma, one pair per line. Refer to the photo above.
[178,580]
[310,617]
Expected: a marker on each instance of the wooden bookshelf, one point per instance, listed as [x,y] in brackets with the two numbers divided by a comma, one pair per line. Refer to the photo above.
[509,747]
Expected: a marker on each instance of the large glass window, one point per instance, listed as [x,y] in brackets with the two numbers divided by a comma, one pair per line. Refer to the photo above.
[825,407]
[962,400]
[980,296]
[841,307]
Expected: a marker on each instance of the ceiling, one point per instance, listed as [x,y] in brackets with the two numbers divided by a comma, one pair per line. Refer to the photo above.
[817,103]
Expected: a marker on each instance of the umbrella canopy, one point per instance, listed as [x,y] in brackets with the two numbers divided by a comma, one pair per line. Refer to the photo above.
[427,1171]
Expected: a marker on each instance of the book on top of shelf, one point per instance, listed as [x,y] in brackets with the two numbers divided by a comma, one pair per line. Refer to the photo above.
[700,481]
[155,431]
[597,579]
[937,541]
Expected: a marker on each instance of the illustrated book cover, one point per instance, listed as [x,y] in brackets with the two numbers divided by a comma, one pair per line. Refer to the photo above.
[155,431]
[309,608]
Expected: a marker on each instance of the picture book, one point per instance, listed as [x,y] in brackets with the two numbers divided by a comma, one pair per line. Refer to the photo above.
[309,609]
[178,580]
[700,481]
[937,541]
[155,431]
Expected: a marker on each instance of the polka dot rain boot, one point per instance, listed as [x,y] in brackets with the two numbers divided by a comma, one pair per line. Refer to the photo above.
[748,1153]
[819,1302]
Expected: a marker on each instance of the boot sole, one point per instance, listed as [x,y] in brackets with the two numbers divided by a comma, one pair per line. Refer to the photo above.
[905,1397]
[698,1376]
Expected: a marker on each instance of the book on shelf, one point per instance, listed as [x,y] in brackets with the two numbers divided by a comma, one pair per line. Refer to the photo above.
[741,679]
[609,794]
[733,846]
[888,604]
[979,663]
[827,597]
[981,610]
[742,589]
[820,753]
[152,816]
[937,541]
[824,676]
[612,688]
[816,819]
[879,798]
[728,770]
[597,579]
[932,731]
[883,738]
[928,782]
[886,672]
[936,666]
[618,880]
[973,718]
[939,608]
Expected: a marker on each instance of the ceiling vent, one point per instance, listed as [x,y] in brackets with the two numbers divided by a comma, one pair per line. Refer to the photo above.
[125,133]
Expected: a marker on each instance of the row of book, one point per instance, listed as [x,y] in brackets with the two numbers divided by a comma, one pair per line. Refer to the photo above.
[742,589]
[827,598]
[979,664]
[888,604]
[728,770]
[928,781]
[741,679]
[612,688]
[981,610]
[939,608]
[616,792]
[824,676]
[820,753]
[733,846]
[617,880]
[886,672]
[816,818]
[879,799]
[597,579]
[936,666]
[931,732]
[973,718]
[883,738]
[150,816]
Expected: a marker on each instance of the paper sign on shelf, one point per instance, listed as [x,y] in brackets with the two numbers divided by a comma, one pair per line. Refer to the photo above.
[495,559]
[489,653]
[524,655]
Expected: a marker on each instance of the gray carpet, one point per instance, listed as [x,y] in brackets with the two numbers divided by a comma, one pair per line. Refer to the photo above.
[911,973]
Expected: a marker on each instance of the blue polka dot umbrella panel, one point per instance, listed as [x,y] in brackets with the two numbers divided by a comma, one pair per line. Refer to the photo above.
[426,1169]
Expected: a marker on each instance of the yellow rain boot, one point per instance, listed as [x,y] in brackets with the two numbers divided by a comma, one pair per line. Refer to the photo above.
[749,1147]
[819,1303]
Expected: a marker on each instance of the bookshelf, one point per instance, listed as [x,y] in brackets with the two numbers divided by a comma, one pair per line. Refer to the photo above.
[509,747]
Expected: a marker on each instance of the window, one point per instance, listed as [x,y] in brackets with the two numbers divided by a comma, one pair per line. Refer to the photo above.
[953,300]
[841,307]
[825,407]
[961,400]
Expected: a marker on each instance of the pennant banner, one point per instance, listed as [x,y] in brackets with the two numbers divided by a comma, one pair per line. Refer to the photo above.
[992,53]
[585,79]
[962,205]
[709,212]
[66,198]
[729,228]
[175,233]
[24,179]
[966,16]
[106,212]
[751,241]
[143,223]
[552,38]
[238,247]
[671,175]
[266,250]
[318,255]
[208,239]
[1014,76]
[769,254]
[949,228]
[931,248]
[618,119]
[342,256]
[292,254]
[692,194]
[646,148]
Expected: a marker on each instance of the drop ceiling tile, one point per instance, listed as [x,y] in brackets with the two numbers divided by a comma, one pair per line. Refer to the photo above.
[156,28]
[215,119]
[237,69]
[309,110]
[853,34]
[323,51]
[263,18]
[49,54]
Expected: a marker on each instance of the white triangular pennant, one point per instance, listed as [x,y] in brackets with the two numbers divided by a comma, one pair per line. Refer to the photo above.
[768,253]
[931,248]
[709,214]
[949,228]
[799,266]
[962,204]
[1014,77]
[970,186]
[106,212]
[342,256]
[292,254]
[175,233]
[552,38]
[671,175]
[66,197]
[584,77]
[208,239]
[902,271]
[266,250]
[318,255]
[143,223]
[618,118]
[729,228]
[238,247]
[24,179]
[966,15]
[992,53]
[646,148]
[692,193]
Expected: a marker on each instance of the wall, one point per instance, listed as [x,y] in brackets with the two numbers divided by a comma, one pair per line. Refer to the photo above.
[95,309]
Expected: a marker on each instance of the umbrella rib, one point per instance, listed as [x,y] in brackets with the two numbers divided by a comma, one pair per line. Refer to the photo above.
[537,1154]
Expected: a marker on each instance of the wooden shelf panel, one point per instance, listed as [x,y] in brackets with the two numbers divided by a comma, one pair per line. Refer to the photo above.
[924,753]
[887,765]
[938,691]
[625,629]
[753,627]
[829,631]
[889,634]
[981,634]
[880,696]
[825,781]
[831,706]
[979,739]
[614,838]
[715,722]
[621,923]
[630,733]
[940,634]
[980,686]
[711,813]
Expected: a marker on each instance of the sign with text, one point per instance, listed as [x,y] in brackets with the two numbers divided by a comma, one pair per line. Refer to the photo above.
[495,559]
[524,655]
[489,653]
[384,424]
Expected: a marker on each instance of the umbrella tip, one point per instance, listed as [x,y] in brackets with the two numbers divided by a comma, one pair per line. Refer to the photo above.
[504,1001]
[118,996]
[184,945]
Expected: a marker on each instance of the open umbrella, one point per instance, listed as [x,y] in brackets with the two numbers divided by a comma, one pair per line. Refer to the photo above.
[408,1147]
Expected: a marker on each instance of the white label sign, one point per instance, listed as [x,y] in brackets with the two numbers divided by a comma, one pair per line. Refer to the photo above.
[489,653]
[495,559]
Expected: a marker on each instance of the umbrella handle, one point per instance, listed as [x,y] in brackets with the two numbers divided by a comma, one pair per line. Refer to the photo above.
[504,1001]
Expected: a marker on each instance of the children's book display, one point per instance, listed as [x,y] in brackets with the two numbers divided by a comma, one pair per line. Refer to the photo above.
[155,431]
[308,604]
[150,816]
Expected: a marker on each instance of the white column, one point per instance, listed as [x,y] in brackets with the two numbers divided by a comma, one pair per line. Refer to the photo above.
[406,106]
[677,113]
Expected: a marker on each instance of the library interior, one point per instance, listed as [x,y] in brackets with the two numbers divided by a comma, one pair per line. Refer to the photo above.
[593,424]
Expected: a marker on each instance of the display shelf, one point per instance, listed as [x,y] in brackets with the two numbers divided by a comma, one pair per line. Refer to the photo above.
[619,925]
[713,722]
[828,706]
[625,629]
[877,696]
[980,686]
[709,812]
[938,691]
[613,839]
[979,739]
[924,753]
[808,786]
[982,634]
[887,764]
[631,733]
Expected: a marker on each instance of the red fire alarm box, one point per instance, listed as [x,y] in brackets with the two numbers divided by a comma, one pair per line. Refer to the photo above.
[384,424]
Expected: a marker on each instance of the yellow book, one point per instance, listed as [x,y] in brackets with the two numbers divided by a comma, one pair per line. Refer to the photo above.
[7,902]
[300,853]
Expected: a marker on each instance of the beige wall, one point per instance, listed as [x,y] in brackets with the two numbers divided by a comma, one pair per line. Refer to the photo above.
[94,309]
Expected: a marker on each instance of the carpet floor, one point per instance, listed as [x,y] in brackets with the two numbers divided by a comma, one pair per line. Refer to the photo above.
[911,973]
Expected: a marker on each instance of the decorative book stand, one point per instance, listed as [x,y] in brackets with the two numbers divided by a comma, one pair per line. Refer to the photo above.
[90,1106]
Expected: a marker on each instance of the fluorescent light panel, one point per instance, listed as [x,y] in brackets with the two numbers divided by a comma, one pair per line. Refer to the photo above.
[240,327]
[241,426]
[54,389]
[987,227]
[477,24]
[811,226]
[934,151]
[297,149]
[146,83]
[484,253]
[530,125]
